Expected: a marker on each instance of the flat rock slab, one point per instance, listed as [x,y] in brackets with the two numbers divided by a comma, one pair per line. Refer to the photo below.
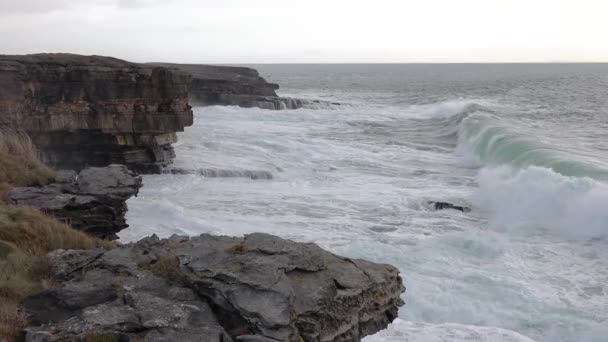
[215,288]
[93,200]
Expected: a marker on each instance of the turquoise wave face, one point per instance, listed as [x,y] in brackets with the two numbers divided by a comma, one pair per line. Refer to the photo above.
[487,140]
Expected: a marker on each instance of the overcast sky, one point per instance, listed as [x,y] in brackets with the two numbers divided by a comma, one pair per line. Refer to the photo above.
[292,31]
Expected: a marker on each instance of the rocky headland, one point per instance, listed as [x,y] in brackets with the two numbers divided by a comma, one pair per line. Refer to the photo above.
[236,86]
[87,113]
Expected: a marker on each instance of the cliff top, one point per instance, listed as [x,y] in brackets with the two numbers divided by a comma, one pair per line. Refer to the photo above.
[216,72]
[68,59]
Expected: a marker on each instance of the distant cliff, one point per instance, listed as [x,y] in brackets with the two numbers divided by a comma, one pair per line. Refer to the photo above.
[233,86]
[93,111]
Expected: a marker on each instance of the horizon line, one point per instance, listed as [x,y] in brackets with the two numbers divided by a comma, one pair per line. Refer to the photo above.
[376,63]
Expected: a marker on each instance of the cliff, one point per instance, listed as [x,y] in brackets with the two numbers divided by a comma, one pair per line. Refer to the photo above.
[94,111]
[234,86]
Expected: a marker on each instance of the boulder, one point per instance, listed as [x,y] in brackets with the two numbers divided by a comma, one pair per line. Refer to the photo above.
[446,205]
[93,200]
[259,288]
[94,111]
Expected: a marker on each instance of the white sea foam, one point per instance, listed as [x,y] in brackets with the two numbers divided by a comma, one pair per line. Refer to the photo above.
[355,180]
[404,331]
[540,200]
[444,109]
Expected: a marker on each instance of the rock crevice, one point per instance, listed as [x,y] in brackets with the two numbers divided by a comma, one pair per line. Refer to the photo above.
[223,288]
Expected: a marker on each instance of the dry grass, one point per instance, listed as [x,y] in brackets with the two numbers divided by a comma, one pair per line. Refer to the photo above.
[167,266]
[26,234]
[100,337]
[20,163]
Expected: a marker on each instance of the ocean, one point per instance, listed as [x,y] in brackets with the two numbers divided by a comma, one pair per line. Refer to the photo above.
[524,145]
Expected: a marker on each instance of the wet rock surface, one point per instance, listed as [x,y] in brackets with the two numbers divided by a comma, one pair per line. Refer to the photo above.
[214,288]
[446,205]
[93,200]
[94,111]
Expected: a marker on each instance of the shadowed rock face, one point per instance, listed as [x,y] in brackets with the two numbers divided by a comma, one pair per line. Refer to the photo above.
[95,111]
[209,288]
[234,86]
[93,201]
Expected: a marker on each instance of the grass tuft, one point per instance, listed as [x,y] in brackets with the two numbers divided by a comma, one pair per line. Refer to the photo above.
[26,234]
[100,337]
[167,266]
[20,163]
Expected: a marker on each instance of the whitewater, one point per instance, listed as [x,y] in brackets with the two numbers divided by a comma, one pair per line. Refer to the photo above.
[523,145]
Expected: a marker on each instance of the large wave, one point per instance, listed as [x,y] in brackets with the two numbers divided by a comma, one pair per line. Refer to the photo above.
[529,185]
[486,140]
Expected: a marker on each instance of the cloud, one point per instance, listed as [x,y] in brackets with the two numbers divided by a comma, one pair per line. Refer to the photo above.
[32,6]
[46,6]
[140,3]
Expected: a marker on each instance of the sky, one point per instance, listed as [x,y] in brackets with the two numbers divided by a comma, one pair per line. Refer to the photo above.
[310,31]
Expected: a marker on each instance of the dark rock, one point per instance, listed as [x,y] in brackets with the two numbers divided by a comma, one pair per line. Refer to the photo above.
[446,205]
[236,86]
[94,201]
[56,305]
[259,288]
[94,111]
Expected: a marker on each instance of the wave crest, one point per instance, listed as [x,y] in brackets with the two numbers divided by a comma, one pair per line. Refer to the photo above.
[485,140]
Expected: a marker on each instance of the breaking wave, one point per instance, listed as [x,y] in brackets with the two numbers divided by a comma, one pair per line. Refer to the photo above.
[537,200]
[485,140]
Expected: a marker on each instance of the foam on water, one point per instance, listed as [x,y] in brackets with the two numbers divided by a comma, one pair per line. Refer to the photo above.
[401,331]
[527,264]
[539,200]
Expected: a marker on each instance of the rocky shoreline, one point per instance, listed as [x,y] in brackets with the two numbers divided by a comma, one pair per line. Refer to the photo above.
[87,113]
[236,86]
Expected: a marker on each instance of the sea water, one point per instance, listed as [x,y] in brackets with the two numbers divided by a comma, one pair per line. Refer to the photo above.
[524,145]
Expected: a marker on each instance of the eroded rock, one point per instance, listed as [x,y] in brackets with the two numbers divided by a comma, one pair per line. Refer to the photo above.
[94,111]
[259,288]
[93,200]
[237,86]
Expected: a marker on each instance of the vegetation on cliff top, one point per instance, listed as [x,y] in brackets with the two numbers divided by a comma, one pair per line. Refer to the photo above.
[20,164]
[26,234]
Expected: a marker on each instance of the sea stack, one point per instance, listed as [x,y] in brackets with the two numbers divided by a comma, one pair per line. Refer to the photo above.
[94,111]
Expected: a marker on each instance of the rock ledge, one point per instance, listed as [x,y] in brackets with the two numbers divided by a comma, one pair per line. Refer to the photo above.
[259,288]
[93,200]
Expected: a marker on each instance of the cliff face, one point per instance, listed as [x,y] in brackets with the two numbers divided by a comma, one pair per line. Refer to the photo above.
[233,86]
[95,111]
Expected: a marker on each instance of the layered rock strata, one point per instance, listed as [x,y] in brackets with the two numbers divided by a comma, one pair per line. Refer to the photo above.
[94,111]
[93,200]
[259,288]
[236,86]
